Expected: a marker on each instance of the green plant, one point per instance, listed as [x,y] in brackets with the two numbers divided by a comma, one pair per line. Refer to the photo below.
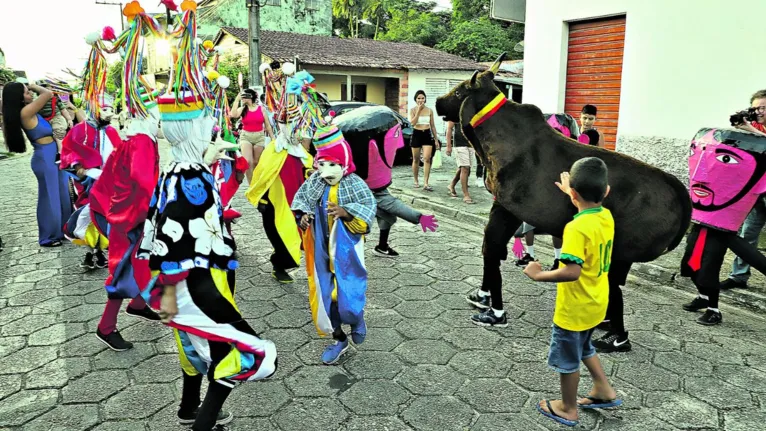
[231,66]
[6,76]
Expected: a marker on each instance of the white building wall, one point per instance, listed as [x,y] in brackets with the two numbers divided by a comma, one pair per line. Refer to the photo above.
[687,64]
[435,84]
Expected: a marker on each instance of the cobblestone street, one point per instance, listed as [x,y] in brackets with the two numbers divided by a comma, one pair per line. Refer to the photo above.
[424,366]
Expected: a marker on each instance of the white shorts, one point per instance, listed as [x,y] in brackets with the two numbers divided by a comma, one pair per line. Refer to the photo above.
[463,156]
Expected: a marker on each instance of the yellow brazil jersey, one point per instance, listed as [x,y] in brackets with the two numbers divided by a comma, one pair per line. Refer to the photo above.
[581,304]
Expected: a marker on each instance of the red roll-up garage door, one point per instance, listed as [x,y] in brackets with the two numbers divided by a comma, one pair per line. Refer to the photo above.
[594,71]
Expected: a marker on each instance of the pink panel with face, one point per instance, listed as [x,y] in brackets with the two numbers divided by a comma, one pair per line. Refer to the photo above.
[379,174]
[724,182]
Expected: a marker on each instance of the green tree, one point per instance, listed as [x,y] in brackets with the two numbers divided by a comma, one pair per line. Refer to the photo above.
[231,66]
[6,76]
[114,78]
[352,12]
[412,24]
[481,40]
[470,10]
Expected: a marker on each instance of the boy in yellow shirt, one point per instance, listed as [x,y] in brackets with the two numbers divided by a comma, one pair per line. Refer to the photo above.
[582,292]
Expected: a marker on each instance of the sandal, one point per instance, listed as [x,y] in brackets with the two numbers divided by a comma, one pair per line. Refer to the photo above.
[428,188]
[551,414]
[416,186]
[469,201]
[598,403]
[451,192]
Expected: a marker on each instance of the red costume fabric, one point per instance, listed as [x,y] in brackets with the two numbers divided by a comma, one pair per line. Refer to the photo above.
[82,146]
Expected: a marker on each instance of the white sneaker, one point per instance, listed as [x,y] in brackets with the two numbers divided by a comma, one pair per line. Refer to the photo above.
[480,182]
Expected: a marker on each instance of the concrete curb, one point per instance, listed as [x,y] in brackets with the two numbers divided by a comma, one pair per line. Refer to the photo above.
[648,271]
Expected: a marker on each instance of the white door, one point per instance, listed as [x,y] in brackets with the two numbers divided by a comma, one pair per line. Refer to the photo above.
[435,88]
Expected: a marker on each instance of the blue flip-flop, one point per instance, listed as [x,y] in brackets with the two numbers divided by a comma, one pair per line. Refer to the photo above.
[598,403]
[552,415]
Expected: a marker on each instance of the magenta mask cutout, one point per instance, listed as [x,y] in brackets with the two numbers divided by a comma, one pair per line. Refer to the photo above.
[567,126]
[726,176]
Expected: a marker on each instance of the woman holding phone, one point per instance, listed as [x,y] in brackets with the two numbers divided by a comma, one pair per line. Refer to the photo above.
[21,112]
[252,140]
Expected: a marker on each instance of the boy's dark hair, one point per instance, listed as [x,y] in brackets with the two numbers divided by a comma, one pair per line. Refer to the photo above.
[589,177]
[589,110]
[761,94]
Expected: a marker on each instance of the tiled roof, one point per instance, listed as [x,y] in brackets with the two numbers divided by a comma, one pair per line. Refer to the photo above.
[333,51]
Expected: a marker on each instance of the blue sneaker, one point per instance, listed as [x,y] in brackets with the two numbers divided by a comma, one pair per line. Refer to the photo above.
[333,352]
[359,332]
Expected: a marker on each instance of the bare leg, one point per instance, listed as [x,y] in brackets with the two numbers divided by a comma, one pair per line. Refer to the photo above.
[454,181]
[427,152]
[416,165]
[464,174]
[566,407]
[601,388]
[246,149]
[257,151]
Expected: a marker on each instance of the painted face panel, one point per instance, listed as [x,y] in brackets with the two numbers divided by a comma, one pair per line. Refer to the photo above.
[330,171]
[381,162]
[726,177]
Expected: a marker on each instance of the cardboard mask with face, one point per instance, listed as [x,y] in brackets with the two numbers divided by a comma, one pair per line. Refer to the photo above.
[330,170]
[726,176]
[374,135]
[333,160]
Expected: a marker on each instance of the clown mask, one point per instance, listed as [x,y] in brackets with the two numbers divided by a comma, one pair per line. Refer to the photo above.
[106,113]
[330,170]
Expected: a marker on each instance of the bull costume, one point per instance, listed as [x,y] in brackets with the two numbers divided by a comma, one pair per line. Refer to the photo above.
[193,256]
[336,209]
[374,135]
[85,149]
[120,198]
[282,169]
[727,175]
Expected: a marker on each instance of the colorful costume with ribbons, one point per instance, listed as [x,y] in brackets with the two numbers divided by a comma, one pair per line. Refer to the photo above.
[337,275]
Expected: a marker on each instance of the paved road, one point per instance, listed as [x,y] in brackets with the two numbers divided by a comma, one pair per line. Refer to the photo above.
[424,366]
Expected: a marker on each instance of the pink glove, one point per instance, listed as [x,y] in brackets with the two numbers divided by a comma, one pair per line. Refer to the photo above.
[428,222]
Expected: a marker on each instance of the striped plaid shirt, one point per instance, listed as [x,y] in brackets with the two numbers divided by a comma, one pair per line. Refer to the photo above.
[354,196]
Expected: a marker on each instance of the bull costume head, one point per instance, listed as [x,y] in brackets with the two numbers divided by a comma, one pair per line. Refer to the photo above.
[726,176]
[374,135]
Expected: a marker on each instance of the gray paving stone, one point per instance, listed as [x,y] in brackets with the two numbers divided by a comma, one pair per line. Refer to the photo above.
[412,268]
[683,364]
[28,324]
[640,420]
[110,360]
[60,303]
[756,361]
[287,339]
[431,379]
[743,420]
[9,384]
[383,277]
[655,341]
[374,365]
[32,297]
[322,413]
[428,329]
[378,318]
[384,301]
[143,331]
[438,414]
[23,406]
[681,410]
[9,345]
[741,346]
[57,373]
[152,398]
[257,309]
[713,353]
[631,396]
[85,345]
[254,424]
[478,363]
[534,376]
[493,395]
[745,377]
[257,399]
[448,274]
[377,423]
[422,293]
[374,397]
[504,421]
[82,313]
[66,418]
[425,352]
[718,393]
[27,359]
[454,287]
[293,318]
[56,334]
[11,314]
[14,290]
[648,377]
[458,318]
[315,381]
[35,276]
[311,352]
[158,369]
[475,338]
[121,426]
[381,339]
[523,349]
[417,280]
[94,387]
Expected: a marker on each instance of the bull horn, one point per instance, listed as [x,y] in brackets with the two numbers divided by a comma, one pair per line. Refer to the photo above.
[496,66]
[472,82]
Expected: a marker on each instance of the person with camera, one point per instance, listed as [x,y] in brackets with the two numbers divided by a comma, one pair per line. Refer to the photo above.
[752,120]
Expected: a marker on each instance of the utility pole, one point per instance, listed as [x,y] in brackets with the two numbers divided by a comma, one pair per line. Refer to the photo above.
[107,3]
[254,41]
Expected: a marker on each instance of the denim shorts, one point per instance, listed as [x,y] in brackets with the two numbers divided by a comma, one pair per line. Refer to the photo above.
[568,349]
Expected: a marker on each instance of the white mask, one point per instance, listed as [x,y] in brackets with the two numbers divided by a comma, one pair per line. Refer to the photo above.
[329,171]
[149,126]
[106,113]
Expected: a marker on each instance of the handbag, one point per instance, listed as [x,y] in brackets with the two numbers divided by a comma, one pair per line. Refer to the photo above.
[436,162]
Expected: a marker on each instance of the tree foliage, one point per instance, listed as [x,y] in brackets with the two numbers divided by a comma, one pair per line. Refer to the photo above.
[114,78]
[231,66]
[466,30]
[6,76]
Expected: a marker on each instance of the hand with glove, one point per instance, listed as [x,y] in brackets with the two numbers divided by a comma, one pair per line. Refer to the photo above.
[428,222]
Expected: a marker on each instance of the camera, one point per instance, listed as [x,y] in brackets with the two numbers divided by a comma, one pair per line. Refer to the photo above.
[741,117]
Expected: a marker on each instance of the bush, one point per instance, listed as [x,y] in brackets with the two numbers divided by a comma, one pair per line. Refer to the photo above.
[6,76]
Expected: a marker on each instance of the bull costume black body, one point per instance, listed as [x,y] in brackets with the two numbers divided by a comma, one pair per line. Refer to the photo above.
[524,157]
